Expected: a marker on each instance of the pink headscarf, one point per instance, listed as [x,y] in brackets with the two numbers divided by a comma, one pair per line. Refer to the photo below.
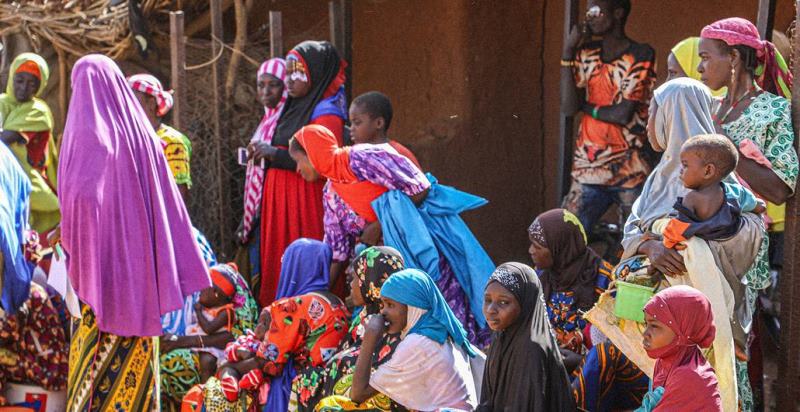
[773,74]
[132,256]
[254,182]
[149,85]
[687,312]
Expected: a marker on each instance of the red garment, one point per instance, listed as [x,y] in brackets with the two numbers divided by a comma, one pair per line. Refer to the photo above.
[291,208]
[688,379]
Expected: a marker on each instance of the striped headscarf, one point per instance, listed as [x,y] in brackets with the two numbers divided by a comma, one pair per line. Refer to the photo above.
[254,182]
[772,73]
[149,85]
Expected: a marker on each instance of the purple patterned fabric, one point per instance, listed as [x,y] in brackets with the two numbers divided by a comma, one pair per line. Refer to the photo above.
[380,164]
[383,165]
[457,299]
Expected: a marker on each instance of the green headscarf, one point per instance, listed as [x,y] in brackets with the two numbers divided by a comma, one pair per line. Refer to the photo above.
[30,116]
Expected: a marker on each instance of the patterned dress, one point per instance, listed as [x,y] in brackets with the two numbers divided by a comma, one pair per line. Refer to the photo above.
[178,151]
[567,323]
[33,346]
[767,122]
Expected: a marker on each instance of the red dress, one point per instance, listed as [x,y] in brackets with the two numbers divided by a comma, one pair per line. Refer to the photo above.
[291,209]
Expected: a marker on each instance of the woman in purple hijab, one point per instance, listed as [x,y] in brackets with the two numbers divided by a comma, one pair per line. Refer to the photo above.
[131,255]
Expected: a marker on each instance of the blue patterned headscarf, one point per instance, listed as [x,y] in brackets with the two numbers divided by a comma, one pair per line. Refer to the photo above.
[413,287]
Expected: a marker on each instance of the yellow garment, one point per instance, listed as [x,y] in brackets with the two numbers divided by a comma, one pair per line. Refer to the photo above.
[704,275]
[338,403]
[178,152]
[686,54]
[45,213]
[777,214]
[30,116]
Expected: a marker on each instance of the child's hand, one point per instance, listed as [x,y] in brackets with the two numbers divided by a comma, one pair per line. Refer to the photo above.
[242,354]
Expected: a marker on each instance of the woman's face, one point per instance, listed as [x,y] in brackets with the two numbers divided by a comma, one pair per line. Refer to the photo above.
[500,307]
[304,166]
[656,334]
[298,80]
[674,69]
[25,86]
[541,256]
[395,313]
[715,64]
[270,90]
[355,290]
[150,107]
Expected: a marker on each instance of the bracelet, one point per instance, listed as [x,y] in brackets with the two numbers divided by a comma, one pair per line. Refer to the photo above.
[594,112]
[202,345]
[567,63]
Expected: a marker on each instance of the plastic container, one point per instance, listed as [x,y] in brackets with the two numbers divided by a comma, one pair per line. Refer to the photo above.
[631,299]
[49,401]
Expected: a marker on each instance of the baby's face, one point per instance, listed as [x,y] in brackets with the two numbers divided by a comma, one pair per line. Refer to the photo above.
[694,170]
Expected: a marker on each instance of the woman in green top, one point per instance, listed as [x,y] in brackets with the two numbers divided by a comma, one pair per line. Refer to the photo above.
[26,126]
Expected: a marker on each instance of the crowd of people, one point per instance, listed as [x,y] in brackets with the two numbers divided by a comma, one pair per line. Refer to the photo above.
[361,288]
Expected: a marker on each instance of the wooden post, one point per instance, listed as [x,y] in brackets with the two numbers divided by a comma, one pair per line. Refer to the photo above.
[566,123]
[340,16]
[766,18]
[275,34]
[788,383]
[178,65]
[63,88]
[218,107]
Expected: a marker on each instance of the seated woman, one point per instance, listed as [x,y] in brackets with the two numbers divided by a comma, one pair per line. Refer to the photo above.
[371,268]
[26,126]
[524,371]
[679,325]
[305,326]
[396,201]
[681,109]
[434,352]
[180,364]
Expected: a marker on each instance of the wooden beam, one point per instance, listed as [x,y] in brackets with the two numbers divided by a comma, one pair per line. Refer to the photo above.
[275,34]
[204,21]
[788,384]
[217,34]
[766,18]
[340,16]
[566,123]
[177,44]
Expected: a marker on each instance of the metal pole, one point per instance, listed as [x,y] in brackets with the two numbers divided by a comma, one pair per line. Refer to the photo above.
[340,16]
[178,66]
[788,384]
[566,123]
[216,82]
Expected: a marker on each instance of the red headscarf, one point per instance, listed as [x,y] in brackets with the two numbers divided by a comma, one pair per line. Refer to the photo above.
[689,381]
[773,74]
[333,162]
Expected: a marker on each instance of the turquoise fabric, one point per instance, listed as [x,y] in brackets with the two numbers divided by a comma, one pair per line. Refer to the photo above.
[15,190]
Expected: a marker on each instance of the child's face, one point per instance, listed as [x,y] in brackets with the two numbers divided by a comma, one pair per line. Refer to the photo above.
[695,172]
[25,87]
[304,166]
[395,313]
[211,297]
[500,307]
[656,334]
[363,128]
[541,256]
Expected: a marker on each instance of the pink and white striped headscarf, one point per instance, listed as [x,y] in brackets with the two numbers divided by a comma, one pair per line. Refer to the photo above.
[149,85]
[254,182]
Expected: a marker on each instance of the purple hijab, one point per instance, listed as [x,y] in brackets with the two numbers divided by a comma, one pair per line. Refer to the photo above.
[132,256]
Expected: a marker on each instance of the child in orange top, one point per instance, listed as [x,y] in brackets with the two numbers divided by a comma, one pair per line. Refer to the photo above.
[214,312]
[712,209]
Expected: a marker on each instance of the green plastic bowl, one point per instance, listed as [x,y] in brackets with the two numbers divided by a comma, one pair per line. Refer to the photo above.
[631,299]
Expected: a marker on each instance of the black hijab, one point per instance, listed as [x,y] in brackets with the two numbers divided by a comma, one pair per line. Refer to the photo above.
[323,64]
[524,371]
[575,266]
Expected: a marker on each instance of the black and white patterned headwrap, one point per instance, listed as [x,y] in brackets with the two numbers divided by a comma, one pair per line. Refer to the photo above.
[536,233]
[507,279]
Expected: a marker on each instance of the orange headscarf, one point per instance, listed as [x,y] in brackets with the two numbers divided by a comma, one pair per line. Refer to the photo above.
[333,162]
[30,67]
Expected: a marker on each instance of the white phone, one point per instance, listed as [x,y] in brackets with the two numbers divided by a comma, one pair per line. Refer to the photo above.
[241,157]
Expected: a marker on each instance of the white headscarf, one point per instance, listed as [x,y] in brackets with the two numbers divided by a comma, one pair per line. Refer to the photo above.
[684,110]
[413,314]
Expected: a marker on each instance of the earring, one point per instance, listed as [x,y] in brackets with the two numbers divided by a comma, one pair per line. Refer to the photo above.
[733,74]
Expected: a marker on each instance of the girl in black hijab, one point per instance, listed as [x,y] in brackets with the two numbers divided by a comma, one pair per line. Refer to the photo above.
[524,371]
[291,208]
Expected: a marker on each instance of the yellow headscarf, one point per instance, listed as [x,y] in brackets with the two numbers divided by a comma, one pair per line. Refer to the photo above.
[686,53]
[30,116]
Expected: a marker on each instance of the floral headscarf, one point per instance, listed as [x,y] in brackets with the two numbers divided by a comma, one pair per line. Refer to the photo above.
[372,267]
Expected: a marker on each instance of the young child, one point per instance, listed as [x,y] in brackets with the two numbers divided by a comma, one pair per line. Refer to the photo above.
[214,312]
[712,209]
[680,322]
[370,118]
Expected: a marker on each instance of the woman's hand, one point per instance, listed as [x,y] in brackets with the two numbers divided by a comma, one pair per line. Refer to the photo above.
[571,359]
[375,327]
[372,234]
[261,150]
[240,233]
[665,260]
